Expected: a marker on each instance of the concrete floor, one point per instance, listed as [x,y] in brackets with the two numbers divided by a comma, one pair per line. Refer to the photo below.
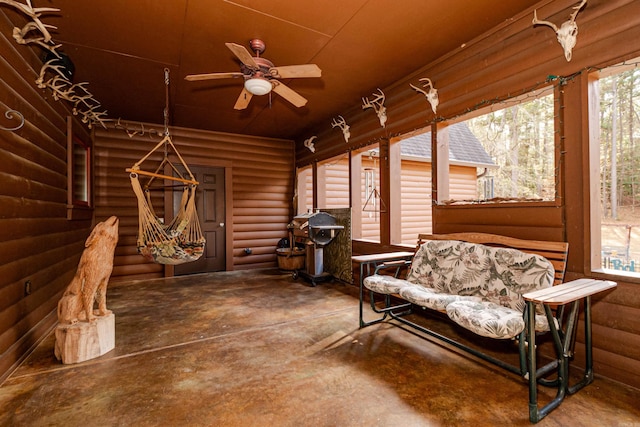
[256,348]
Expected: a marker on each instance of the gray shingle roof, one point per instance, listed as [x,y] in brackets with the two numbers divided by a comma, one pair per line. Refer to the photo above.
[463,146]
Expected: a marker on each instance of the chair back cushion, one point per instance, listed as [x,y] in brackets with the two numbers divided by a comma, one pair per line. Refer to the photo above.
[499,275]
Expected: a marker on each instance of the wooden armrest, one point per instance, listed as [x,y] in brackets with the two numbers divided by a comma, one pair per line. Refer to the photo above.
[392,256]
[569,292]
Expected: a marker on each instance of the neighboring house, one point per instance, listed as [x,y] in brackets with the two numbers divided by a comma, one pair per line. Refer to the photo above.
[467,158]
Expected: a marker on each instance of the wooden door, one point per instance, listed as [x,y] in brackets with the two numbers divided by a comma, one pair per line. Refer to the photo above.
[210,204]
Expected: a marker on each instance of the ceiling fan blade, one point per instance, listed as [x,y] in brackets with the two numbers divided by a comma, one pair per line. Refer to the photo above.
[243,54]
[289,94]
[295,71]
[211,76]
[243,100]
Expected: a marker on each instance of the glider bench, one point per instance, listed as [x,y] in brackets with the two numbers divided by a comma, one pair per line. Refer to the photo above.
[497,287]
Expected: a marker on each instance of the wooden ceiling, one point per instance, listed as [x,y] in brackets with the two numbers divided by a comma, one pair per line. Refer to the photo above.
[121,47]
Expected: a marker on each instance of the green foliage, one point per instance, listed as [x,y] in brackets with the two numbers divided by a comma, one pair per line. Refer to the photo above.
[520,139]
[619,141]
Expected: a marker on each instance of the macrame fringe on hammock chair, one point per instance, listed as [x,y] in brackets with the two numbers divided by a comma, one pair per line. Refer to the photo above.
[181,240]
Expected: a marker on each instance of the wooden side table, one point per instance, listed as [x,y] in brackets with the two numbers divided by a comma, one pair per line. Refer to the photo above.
[567,294]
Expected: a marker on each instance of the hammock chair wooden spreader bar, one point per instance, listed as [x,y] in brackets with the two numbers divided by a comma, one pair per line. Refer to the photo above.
[181,240]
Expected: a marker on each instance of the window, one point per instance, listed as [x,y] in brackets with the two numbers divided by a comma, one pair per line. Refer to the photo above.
[504,155]
[336,190]
[304,190]
[81,155]
[367,201]
[413,213]
[79,175]
[615,200]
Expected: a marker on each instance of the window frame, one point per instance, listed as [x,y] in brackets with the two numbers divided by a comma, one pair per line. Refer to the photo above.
[78,209]
[440,150]
[593,260]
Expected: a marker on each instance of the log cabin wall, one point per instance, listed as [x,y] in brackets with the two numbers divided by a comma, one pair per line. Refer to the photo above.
[39,247]
[259,175]
[505,61]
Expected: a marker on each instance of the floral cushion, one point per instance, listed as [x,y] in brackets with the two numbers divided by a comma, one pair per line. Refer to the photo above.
[480,287]
[515,273]
[426,297]
[498,275]
[491,320]
[385,284]
[487,318]
[450,266]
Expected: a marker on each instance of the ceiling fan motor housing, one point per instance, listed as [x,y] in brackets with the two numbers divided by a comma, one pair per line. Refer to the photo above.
[264,65]
[258,46]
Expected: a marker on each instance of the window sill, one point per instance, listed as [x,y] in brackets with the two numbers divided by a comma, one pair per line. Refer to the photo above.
[75,213]
[462,204]
[617,275]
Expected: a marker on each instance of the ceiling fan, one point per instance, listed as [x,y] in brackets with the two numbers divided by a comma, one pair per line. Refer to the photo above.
[261,76]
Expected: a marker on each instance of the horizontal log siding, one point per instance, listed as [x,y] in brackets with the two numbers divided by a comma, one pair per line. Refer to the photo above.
[512,57]
[463,184]
[262,182]
[415,187]
[333,183]
[39,245]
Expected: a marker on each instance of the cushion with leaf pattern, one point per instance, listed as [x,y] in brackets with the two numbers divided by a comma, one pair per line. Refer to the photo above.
[429,298]
[486,318]
[383,284]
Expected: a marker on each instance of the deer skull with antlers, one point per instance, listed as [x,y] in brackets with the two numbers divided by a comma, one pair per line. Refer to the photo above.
[431,94]
[378,106]
[342,124]
[568,31]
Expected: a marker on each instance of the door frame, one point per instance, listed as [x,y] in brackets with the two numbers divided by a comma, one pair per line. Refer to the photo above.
[228,204]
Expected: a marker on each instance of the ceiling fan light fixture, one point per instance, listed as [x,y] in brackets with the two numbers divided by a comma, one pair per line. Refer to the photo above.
[258,86]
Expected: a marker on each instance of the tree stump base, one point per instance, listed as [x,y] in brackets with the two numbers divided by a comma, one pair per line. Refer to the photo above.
[84,341]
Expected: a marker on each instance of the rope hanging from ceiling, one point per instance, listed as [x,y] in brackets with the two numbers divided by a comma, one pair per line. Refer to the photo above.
[181,240]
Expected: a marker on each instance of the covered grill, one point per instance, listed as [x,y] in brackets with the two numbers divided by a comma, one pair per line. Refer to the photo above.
[315,231]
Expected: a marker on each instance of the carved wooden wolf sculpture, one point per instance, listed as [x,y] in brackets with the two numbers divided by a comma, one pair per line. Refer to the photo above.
[92,277]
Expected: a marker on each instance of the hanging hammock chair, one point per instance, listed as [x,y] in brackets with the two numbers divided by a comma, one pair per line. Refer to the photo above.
[181,240]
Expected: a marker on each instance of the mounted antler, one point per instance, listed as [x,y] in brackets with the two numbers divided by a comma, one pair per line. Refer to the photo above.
[342,124]
[49,66]
[568,31]
[378,106]
[20,36]
[431,94]
[34,14]
[309,144]
[37,32]
[91,116]
[61,88]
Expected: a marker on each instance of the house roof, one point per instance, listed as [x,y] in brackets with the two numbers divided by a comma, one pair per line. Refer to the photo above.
[464,147]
